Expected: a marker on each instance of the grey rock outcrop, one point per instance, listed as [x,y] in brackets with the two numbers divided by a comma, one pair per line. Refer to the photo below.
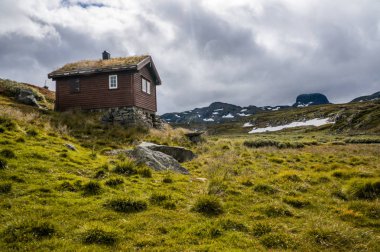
[180,154]
[157,160]
[27,97]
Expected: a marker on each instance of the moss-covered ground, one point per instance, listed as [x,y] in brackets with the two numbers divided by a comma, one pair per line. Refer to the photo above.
[310,191]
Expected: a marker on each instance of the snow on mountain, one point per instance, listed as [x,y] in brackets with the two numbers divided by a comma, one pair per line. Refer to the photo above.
[313,122]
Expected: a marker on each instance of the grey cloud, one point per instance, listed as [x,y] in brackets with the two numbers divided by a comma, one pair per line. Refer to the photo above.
[209,57]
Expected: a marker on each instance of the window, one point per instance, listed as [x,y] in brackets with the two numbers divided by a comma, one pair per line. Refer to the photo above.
[145,86]
[74,86]
[112,82]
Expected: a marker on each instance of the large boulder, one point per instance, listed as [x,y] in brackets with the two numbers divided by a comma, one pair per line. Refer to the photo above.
[305,100]
[180,154]
[27,97]
[157,160]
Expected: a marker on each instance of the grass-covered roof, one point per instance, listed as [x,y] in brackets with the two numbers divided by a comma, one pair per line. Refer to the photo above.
[84,65]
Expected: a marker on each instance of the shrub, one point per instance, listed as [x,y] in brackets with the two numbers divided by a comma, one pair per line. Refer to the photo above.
[127,167]
[17,179]
[277,211]
[3,164]
[167,180]
[364,189]
[297,203]
[145,172]
[277,241]
[233,225]
[100,174]
[91,188]
[362,140]
[7,123]
[291,177]
[31,230]
[261,229]
[5,188]
[7,153]
[266,189]
[127,206]
[114,182]
[98,236]
[369,209]
[208,205]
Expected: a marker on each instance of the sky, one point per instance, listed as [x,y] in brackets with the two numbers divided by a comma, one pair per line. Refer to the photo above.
[244,52]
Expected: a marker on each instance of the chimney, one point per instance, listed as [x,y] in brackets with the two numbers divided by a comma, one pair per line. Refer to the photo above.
[106,55]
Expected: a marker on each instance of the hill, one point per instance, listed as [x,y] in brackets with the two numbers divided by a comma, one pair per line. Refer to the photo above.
[302,191]
[372,97]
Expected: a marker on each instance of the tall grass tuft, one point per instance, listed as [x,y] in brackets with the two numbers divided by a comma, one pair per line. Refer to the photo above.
[208,205]
[126,205]
[368,189]
[99,236]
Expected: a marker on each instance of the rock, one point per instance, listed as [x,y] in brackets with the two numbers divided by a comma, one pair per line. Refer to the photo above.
[27,97]
[195,137]
[180,154]
[116,152]
[203,180]
[157,160]
[70,146]
[305,100]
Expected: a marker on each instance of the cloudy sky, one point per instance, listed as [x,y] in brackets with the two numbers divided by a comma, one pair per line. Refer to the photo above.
[245,52]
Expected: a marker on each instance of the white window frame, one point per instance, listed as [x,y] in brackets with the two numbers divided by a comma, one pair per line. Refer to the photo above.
[112,85]
[145,85]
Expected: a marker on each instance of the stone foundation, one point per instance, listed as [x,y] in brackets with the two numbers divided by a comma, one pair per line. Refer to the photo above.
[133,117]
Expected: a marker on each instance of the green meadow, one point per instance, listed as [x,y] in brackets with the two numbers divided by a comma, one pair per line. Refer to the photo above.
[295,190]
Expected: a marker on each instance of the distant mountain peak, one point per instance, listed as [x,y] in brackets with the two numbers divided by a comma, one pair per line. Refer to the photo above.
[372,97]
[305,100]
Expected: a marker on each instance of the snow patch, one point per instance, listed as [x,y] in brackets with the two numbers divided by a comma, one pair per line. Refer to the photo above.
[248,124]
[208,119]
[228,116]
[215,113]
[177,116]
[220,109]
[243,110]
[241,114]
[313,122]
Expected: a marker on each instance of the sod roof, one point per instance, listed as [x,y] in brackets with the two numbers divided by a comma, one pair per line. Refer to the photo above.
[101,65]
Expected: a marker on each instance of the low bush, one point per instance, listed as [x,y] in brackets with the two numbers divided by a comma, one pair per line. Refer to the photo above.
[362,140]
[7,153]
[91,188]
[208,205]
[28,231]
[5,188]
[368,209]
[276,241]
[114,182]
[291,177]
[264,188]
[247,183]
[98,236]
[368,189]
[272,143]
[158,198]
[127,205]
[277,211]
[32,132]
[167,180]
[3,164]
[261,229]
[297,203]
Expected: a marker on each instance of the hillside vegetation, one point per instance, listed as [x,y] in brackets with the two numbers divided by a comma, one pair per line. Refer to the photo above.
[294,190]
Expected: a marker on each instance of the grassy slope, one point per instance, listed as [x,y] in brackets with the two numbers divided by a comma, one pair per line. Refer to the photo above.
[271,198]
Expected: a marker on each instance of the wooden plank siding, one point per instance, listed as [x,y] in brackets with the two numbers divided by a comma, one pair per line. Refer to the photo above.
[145,100]
[94,92]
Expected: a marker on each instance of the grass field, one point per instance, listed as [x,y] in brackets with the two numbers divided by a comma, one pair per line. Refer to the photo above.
[304,191]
